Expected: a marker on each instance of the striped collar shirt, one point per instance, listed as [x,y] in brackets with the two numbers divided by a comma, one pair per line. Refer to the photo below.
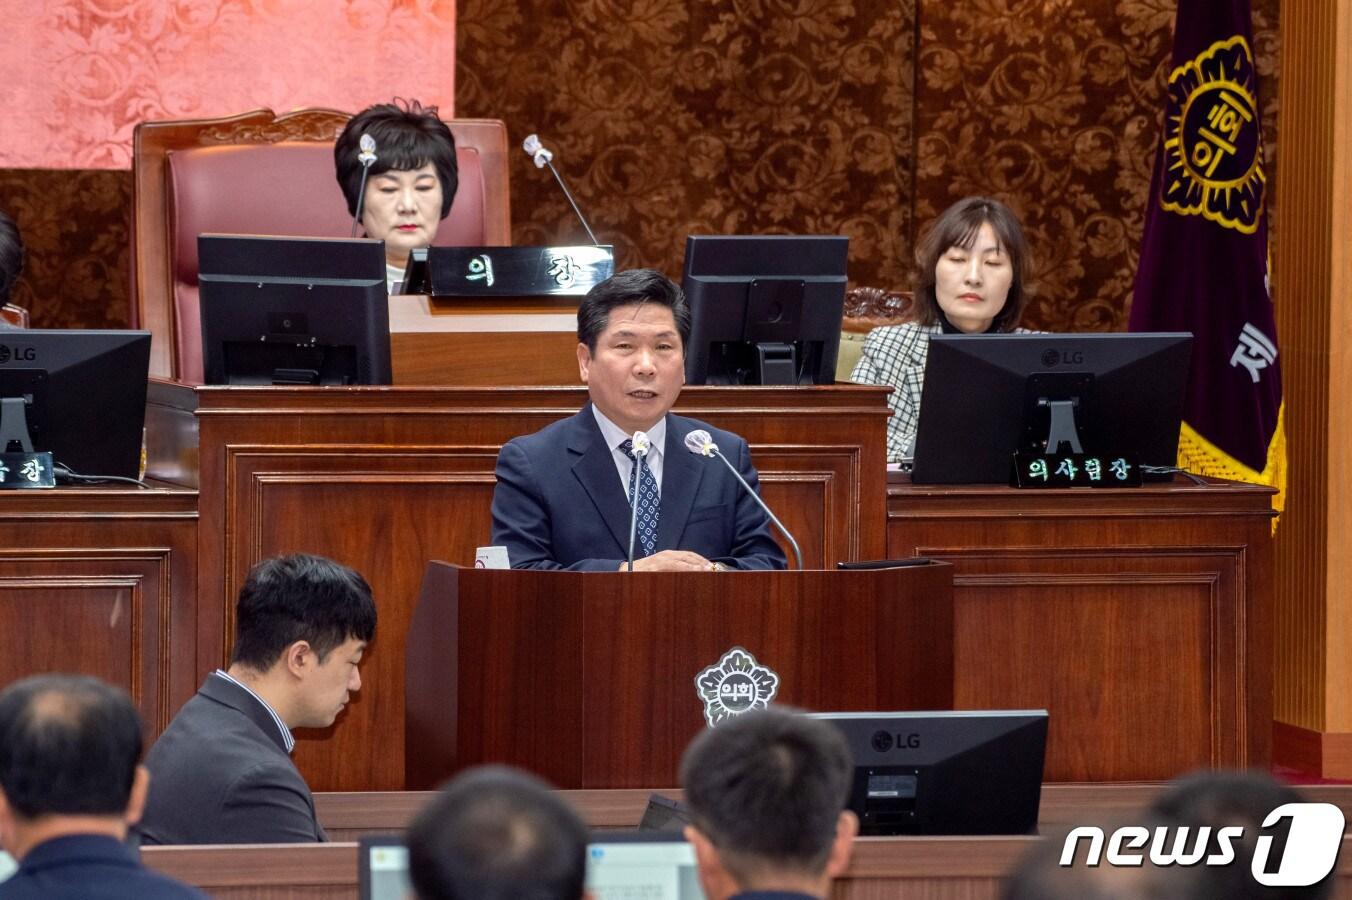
[288,740]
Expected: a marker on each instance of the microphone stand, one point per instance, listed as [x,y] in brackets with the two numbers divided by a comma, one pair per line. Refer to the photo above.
[637,479]
[712,450]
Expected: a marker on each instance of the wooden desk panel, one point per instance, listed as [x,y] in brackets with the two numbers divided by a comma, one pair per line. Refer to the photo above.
[101,581]
[385,479]
[1141,619]
[944,868]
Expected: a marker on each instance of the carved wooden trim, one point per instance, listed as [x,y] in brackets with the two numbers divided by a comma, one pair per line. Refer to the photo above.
[266,127]
[869,307]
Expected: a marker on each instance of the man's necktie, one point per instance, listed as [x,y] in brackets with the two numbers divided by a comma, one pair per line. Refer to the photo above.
[648,499]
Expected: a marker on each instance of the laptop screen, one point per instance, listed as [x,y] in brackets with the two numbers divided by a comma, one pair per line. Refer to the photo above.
[645,865]
[621,865]
[383,869]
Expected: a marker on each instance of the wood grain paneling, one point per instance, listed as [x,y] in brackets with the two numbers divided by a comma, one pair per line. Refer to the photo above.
[100,581]
[588,679]
[1139,619]
[385,479]
[1312,277]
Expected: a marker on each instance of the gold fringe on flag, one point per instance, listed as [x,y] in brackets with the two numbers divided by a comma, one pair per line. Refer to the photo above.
[1198,455]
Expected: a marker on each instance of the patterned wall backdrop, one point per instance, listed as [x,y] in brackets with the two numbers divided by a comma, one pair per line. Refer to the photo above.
[856,116]
[77,75]
[672,117]
[1054,107]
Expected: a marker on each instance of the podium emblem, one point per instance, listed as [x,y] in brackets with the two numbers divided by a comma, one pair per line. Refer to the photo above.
[736,684]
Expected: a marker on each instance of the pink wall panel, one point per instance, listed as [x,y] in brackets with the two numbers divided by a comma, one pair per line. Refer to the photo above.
[77,75]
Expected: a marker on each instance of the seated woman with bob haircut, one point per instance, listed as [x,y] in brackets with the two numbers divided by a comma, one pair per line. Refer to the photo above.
[972,263]
[411,184]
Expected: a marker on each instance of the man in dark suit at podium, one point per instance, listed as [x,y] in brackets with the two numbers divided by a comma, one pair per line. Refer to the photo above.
[562,497]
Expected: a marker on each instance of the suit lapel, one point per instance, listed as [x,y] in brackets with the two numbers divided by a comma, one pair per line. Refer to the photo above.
[595,469]
[681,474]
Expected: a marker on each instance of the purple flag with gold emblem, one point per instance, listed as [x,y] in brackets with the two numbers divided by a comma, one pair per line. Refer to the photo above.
[1204,263]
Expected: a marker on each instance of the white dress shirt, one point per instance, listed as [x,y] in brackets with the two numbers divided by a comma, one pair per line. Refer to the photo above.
[288,740]
[614,436]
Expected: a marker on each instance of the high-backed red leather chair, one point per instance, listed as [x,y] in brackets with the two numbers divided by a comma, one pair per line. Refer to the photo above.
[259,173]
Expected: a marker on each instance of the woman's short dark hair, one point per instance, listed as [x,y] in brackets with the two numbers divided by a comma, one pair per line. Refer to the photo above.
[407,136]
[957,226]
[624,288]
[300,598]
[11,256]
[69,745]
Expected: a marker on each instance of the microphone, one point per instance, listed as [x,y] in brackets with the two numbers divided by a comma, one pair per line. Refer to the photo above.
[640,446]
[542,157]
[366,155]
[700,442]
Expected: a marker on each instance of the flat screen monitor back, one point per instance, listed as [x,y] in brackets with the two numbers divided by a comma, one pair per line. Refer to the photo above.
[289,310]
[979,401]
[945,772]
[778,295]
[84,394]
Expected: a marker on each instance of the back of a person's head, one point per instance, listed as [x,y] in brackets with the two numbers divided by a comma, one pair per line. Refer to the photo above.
[1040,875]
[11,256]
[767,789]
[496,833]
[69,745]
[1227,797]
[300,597]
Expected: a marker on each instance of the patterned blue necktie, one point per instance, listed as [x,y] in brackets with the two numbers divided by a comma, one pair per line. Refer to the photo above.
[648,499]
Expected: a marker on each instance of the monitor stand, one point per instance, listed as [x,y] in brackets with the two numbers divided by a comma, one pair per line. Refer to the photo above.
[1061,429]
[776,364]
[14,425]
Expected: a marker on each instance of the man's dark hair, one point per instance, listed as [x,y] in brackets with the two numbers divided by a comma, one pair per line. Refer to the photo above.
[69,745]
[408,136]
[300,598]
[767,789]
[624,288]
[495,833]
[958,226]
[11,256]
[1220,798]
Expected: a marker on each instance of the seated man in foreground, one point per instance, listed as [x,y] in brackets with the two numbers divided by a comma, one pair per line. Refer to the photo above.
[222,770]
[562,496]
[767,793]
[70,785]
[495,833]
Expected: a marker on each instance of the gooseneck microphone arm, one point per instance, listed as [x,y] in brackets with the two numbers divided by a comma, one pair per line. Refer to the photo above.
[366,157]
[544,157]
[702,442]
[640,445]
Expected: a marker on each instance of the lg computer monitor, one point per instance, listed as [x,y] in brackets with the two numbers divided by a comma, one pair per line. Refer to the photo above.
[945,772]
[764,309]
[293,311]
[79,395]
[987,396]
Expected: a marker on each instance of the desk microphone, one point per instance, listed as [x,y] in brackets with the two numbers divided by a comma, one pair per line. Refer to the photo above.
[544,157]
[366,156]
[639,446]
[702,443]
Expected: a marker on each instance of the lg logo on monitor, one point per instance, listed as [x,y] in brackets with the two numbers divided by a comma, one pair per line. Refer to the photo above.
[18,354]
[1052,358]
[886,740]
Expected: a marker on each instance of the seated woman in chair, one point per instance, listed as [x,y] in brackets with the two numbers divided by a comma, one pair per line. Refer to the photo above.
[972,265]
[411,184]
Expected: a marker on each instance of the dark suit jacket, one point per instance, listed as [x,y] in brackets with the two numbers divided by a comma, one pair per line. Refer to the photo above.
[220,774]
[89,867]
[559,502]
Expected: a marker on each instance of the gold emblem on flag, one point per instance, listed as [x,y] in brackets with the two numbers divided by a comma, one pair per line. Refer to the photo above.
[1213,140]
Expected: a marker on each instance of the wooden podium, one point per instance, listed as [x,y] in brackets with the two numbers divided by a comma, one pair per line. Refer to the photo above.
[590,680]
